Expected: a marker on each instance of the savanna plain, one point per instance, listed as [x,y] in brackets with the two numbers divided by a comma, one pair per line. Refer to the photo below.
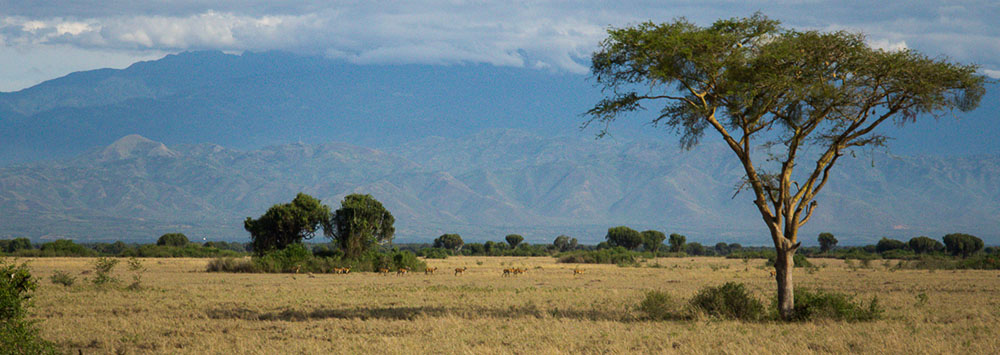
[181,308]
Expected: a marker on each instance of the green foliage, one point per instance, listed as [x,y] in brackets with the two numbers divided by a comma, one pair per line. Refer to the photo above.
[962,244]
[617,255]
[624,237]
[137,269]
[677,242]
[924,245]
[652,240]
[564,243]
[289,223]
[826,242]
[730,301]
[819,304]
[513,240]
[62,278]
[433,253]
[658,305]
[695,249]
[886,244]
[18,335]
[65,247]
[449,241]
[173,239]
[799,260]
[230,264]
[102,271]
[360,223]
[13,245]
[290,259]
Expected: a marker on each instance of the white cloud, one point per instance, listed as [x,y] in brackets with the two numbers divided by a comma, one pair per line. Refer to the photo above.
[548,35]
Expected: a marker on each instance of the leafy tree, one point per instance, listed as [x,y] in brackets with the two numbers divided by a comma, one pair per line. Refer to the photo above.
[886,244]
[625,237]
[695,249]
[826,242]
[564,243]
[722,248]
[735,247]
[173,239]
[65,247]
[289,223]
[513,240]
[962,244]
[785,93]
[361,222]
[923,245]
[677,242]
[652,240]
[449,241]
[14,245]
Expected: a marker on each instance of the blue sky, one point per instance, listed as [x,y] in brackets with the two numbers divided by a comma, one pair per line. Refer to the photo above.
[41,40]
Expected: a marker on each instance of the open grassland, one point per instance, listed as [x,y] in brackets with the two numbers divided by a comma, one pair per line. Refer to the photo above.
[184,309]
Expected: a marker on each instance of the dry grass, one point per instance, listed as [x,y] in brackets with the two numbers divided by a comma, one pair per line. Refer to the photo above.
[183,309]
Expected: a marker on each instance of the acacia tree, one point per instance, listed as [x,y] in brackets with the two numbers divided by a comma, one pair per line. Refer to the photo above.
[285,224]
[826,242]
[652,240]
[624,237]
[513,240]
[360,223]
[451,242]
[774,95]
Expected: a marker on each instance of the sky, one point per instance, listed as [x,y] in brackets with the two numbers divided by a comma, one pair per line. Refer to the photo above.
[41,40]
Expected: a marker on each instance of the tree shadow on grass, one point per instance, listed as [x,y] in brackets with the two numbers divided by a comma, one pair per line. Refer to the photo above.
[411,313]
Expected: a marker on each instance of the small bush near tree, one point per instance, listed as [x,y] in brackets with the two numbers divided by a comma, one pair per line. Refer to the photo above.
[799,260]
[659,305]
[730,301]
[62,278]
[17,334]
[819,304]
[102,271]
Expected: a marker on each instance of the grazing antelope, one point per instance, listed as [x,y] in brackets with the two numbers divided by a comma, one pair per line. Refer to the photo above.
[430,270]
[507,272]
[402,271]
[459,271]
[383,271]
[518,270]
[577,272]
[772,273]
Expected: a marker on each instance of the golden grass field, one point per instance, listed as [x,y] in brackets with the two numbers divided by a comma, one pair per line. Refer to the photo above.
[546,311]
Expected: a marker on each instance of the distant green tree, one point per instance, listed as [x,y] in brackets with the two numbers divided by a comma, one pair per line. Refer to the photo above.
[625,237]
[695,249]
[652,240]
[677,242]
[962,244]
[513,240]
[449,241]
[16,244]
[289,223]
[361,222]
[66,247]
[923,245]
[173,239]
[826,242]
[564,243]
[886,244]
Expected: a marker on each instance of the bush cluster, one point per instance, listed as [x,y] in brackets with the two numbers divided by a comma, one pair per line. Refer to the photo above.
[17,334]
[819,304]
[297,258]
[616,255]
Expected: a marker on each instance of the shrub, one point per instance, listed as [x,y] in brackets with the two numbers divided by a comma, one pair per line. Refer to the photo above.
[230,264]
[731,301]
[102,270]
[18,335]
[819,304]
[136,267]
[62,278]
[173,239]
[660,305]
[616,255]
[798,259]
[433,253]
[290,259]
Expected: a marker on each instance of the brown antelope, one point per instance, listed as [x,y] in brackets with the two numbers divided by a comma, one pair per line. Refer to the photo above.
[430,270]
[518,270]
[577,272]
[402,271]
[383,271]
[459,271]
[772,273]
[507,272]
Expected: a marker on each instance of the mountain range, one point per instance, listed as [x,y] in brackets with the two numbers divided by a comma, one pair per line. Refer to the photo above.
[482,186]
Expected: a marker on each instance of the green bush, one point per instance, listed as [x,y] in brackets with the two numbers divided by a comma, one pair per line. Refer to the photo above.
[799,260]
[18,335]
[102,271]
[819,304]
[730,301]
[230,264]
[616,255]
[660,305]
[62,278]
[290,259]
[433,253]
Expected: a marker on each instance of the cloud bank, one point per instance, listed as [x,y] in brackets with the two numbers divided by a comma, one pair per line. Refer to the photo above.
[547,35]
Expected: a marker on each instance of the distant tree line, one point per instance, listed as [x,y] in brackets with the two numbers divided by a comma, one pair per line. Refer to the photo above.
[168,245]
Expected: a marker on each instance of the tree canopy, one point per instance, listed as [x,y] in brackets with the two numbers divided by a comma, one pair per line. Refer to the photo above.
[625,237]
[449,241]
[173,239]
[565,243]
[360,223]
[652,240]
[826,242]
[288,223]
[677,242]
[514,240]
[962,244]
[922,245]
[774,95]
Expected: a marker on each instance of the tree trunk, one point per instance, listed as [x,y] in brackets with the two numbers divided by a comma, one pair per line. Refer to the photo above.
[783,265]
